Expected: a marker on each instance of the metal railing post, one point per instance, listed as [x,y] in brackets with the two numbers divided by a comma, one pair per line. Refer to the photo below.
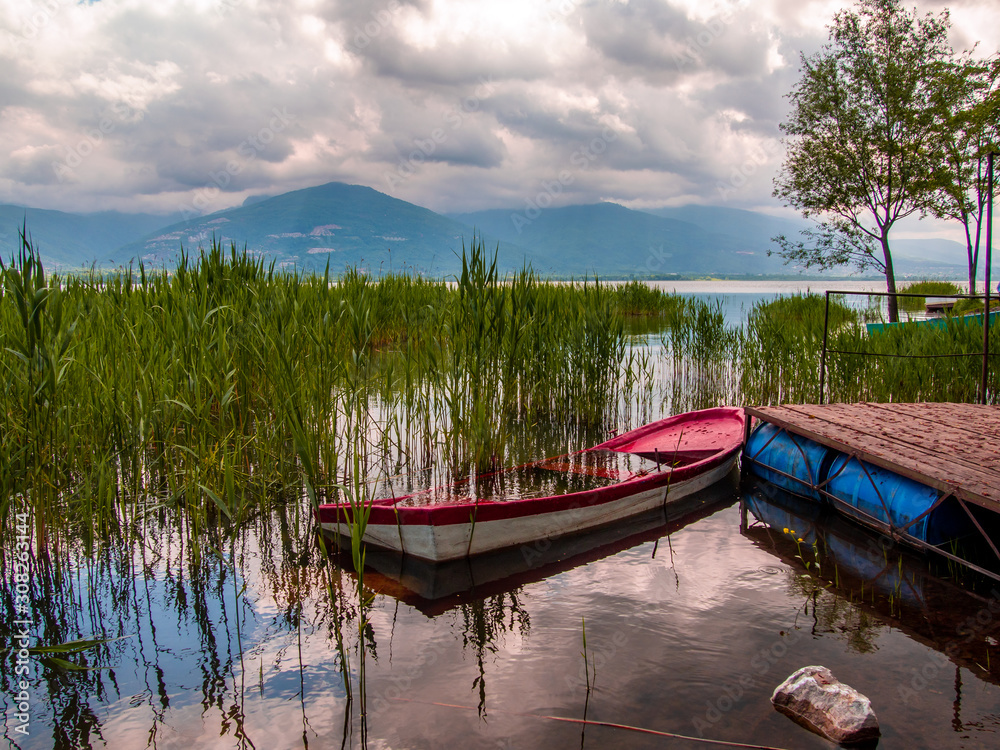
[989,260]
[822,359]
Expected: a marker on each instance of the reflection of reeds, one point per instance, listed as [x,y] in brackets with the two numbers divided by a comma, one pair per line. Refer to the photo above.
[484,622]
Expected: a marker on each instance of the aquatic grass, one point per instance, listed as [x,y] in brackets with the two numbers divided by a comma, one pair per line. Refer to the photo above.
[170,422]
[175,386]
[589,682]
[212,403]
[911,367]
[52,656]
[634,298]
[928,288]
[780,347]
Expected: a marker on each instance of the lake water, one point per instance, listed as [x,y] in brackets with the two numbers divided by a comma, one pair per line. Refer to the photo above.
[690,625]
[736,298]
[691,618]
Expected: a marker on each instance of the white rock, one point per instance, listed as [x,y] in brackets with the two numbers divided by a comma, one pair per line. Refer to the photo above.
[815,698]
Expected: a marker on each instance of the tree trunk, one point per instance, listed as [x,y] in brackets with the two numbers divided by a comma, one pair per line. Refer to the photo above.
[890,279]
[972,273]
[973,254]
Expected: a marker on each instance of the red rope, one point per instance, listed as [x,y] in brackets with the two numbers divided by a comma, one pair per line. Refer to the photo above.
[611,724]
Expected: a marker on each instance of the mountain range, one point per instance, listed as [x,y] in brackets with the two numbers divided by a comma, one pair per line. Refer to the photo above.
[355,226]
[75,240]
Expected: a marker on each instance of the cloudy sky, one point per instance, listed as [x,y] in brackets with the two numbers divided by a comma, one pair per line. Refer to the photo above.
[455,105]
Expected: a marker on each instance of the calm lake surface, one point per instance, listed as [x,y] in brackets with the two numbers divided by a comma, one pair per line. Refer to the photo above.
[736,298]
[691,618]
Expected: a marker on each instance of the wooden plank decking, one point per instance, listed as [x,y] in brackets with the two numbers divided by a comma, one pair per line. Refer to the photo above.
[951,447]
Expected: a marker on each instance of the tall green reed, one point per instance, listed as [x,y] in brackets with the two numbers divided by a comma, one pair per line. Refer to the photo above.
[208,403]
[780,351]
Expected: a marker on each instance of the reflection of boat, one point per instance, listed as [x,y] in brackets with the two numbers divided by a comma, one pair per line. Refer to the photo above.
[641,470]
[436,587]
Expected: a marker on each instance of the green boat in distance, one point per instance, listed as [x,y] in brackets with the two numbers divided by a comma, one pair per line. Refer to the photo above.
[941,322]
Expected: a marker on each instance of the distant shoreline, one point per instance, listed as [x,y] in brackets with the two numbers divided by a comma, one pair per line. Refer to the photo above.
[695,283]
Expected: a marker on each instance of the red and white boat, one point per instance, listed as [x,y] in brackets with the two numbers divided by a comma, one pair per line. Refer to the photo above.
[638,471]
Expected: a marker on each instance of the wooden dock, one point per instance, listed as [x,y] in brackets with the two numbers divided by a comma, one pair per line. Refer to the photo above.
[952,447]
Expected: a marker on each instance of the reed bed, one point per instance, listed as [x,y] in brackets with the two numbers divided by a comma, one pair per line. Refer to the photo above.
[780,345]
[205,405]
[928,288]
[224,387]
[218,389]
[780,351]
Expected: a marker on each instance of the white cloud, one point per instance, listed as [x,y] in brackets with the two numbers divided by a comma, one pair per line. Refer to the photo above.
[452,105]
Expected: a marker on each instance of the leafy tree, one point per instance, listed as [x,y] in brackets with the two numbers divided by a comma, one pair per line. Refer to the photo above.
[970,98]
[863,136]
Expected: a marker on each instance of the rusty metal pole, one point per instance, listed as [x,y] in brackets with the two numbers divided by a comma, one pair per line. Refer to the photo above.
[822,356]
[989,260]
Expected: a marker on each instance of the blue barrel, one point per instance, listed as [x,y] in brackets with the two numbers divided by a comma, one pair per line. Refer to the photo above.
[854,484]
[770,448]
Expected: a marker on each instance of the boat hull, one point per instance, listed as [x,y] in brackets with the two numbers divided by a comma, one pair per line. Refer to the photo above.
[944,322]
[436,587]
[708,441]
[457,540]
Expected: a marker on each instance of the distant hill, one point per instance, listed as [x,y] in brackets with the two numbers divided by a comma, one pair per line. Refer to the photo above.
[351,225]
[932,250]
[931,259]
[611,240]
[913,258]
[74,240]
[752,229]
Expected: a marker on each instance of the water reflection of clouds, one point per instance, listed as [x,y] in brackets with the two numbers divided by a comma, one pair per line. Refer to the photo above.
[714,641]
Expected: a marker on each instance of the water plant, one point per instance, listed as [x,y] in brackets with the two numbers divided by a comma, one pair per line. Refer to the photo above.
[928,288]
[779,354]
[223,400]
